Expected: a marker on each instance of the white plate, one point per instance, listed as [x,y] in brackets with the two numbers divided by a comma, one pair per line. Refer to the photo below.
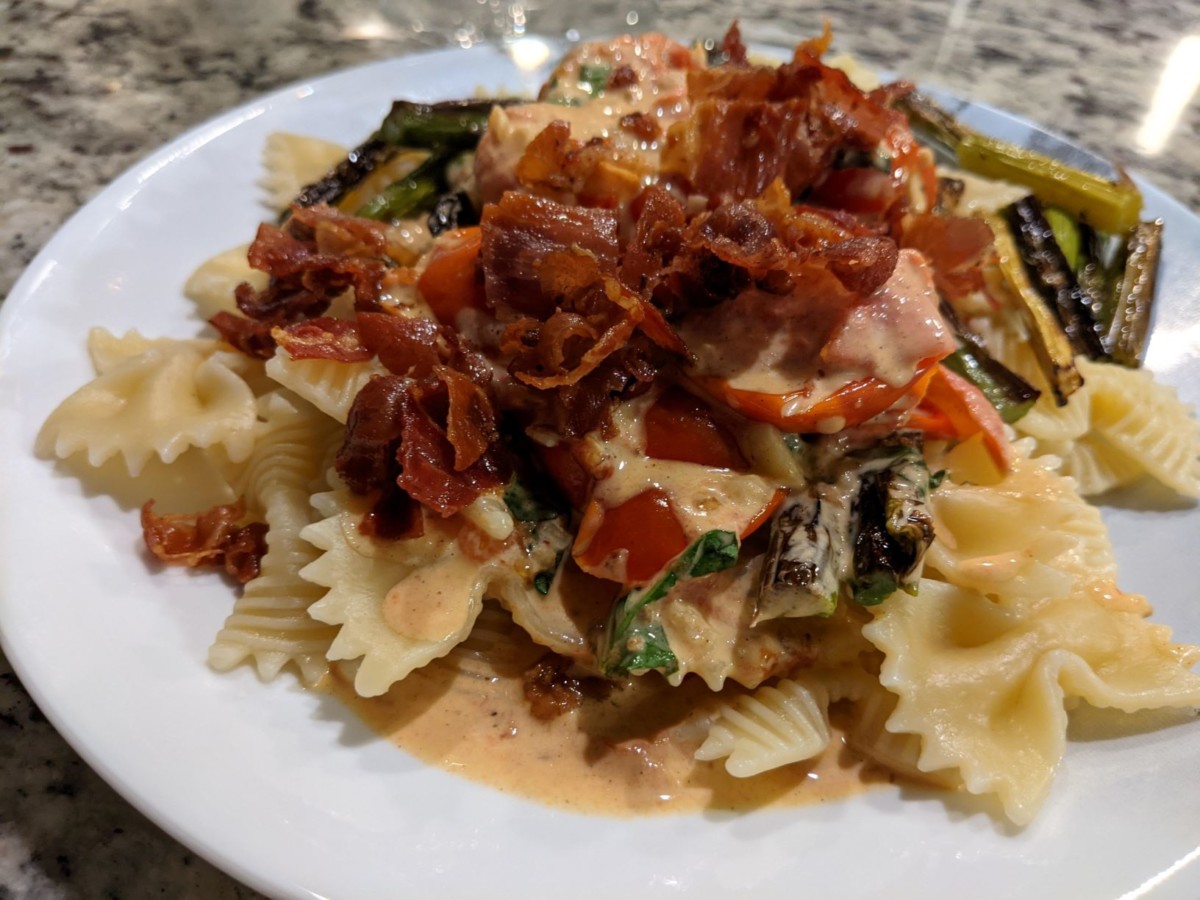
[287,791]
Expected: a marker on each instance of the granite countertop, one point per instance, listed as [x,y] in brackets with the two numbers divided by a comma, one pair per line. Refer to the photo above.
[88,87]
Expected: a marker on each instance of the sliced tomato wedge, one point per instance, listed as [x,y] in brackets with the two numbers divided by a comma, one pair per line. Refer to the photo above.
[451,281]
[680,426]
[850,405]
[644,526]
[954,409]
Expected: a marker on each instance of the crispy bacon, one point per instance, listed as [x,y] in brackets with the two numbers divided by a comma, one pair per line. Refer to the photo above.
[594,317]
[395,516]
[392,421]
[732,47]
[316,256]
[415,347]
[211,538]
[552,689]
[582,407]
[374,428]
[955,248]
[641,126]
[322,338]
[520,231]
[470,419]
[246,335]
[427,462]
[750,125]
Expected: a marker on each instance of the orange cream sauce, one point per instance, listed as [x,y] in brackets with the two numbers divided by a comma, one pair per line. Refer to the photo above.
[628,754]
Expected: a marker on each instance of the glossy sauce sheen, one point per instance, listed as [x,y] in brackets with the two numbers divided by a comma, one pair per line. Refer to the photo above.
[628,754]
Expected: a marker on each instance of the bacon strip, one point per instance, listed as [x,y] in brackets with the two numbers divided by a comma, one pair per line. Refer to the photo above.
[520,231]
[393,422]
[750,125]
[415,347]
[322,338]
[211,538]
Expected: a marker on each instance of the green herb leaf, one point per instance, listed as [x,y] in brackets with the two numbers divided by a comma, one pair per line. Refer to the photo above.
[594,77]
[629,637]
[543,580]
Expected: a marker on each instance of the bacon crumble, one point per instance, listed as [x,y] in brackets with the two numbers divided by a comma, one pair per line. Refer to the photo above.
[211,538]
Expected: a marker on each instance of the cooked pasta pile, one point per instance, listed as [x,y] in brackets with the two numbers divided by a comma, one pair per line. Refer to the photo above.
[682,402]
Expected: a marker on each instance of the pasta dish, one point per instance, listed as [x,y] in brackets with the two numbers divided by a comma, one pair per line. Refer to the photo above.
[691,423]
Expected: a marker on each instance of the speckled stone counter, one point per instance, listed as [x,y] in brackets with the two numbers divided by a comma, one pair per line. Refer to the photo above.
[88,88]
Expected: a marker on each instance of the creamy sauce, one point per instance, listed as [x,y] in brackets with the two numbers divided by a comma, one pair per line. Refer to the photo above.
[629,754]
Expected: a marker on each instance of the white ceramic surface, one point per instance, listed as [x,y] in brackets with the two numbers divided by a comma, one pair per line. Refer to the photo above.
[289,792]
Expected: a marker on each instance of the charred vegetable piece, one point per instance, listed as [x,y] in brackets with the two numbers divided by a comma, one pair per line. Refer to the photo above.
[358,164]
[1096,276]
[633,641]
[1053,277]
[894,528]
[1111,206]
[1050,344]
[453,125]
[805,560]
[456,124]
[416,193]
[1126,336]
[452,210]
[1008,392]
[1066,234]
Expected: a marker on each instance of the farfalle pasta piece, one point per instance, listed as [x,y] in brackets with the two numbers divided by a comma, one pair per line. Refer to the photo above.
[1028,536]
[212,285]
[292,161]
[983,683]
[270,623]
[398,606]
[329,384]
[1120,426]
[776,725]
[108,350]
[158,403]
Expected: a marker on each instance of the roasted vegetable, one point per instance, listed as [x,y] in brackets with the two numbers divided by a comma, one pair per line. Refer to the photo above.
[418,192]
[1011,394]
[633,641]
[893,528]
[1111,206]
[445,128]
[1049,342]
[358,164]
[1066,234]
[805,559]
[1053,277]
[1125,338]
[453,124]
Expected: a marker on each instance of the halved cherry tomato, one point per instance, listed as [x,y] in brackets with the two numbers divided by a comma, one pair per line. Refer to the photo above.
[954,409]
[644,526]
[679,426]
[451,281]
[850,405]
